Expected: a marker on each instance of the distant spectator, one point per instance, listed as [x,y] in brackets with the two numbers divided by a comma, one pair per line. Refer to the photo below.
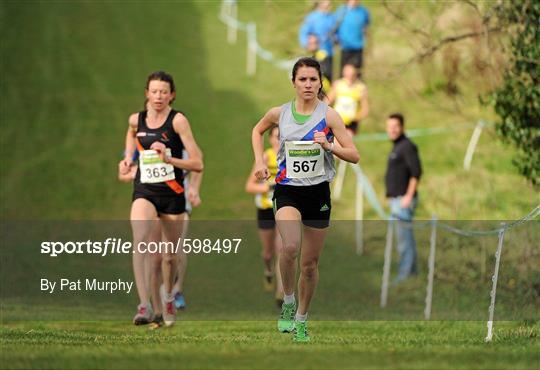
[321,24]
[352,21]
[402,177]
[349,97]
[321,56]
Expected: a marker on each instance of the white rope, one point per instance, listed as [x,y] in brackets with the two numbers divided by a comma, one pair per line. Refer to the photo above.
[227,15]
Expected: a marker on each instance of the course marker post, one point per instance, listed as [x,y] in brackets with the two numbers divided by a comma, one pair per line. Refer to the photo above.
[251,65]
[387,262]
[231,8]
[338,185]
[494,280]
[431,268]
[359,217]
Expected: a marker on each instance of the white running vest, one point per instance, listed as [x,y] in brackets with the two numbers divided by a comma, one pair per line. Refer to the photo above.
[290,130]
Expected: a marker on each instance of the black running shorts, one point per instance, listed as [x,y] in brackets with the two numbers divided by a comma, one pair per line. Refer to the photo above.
[353,126]
[265,219]
[313,202]
[165,204]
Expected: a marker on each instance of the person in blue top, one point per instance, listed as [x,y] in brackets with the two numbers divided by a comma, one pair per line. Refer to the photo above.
[352,29]
[320,23]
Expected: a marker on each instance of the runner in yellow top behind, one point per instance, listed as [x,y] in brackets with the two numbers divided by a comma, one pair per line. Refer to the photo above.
[270,239]
[349,97]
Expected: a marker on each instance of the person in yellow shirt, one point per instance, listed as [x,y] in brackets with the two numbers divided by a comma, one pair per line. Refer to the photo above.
[270,239]
[321,56]
[349,97]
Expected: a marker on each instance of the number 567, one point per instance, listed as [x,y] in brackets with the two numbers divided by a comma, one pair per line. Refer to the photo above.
[304,166]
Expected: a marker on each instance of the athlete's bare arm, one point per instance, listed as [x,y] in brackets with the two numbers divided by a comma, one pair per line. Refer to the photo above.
[346,150]
[130,146]
[194,161]
[270,119]
[254,186]
[195,179]
[129,176]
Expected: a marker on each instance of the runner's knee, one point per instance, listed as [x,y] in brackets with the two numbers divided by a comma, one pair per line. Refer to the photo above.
[310,269]
[291,248]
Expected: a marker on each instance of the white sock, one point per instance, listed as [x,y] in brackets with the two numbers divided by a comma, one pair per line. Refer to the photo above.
[302,318]
[288,299]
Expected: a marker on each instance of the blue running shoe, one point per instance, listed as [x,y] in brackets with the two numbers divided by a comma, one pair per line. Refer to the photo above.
[179,301]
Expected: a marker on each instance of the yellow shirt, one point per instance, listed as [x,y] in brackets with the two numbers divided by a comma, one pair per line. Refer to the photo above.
[321,55]
[348,98]
[264,201]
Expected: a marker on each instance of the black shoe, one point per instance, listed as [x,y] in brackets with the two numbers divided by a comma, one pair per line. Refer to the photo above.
[157,322]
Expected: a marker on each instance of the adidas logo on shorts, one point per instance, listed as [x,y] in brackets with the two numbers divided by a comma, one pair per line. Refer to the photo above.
[324,208]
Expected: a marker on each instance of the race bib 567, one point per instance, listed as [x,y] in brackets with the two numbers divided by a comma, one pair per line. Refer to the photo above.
[304,159]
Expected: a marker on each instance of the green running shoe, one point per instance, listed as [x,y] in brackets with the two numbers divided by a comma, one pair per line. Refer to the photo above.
[285,322]
[300,332]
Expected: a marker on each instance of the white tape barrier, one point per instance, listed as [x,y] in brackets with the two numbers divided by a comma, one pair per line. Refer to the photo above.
[370,194]
[530,216]
[228,15]
[415,132]
[472,145]
[361,183]
[368,191]
[431,261]
[363,188]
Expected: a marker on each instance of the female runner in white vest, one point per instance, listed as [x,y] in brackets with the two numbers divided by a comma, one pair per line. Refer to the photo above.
[307,127]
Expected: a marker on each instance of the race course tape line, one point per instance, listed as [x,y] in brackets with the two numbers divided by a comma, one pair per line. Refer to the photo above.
[267,55]
[370,195]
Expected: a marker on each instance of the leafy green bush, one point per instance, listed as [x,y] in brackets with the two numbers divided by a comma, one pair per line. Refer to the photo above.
[517,100]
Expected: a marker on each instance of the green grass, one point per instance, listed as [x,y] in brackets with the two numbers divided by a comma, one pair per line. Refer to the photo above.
[258,345]
[229,321]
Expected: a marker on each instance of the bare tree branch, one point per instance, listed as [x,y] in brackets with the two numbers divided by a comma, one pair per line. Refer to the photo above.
[403,20]
[447,40]
[473,5]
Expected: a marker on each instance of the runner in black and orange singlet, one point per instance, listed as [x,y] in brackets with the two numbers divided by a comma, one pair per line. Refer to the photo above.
[160,134]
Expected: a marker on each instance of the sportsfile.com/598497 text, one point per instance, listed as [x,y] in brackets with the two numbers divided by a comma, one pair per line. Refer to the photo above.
[118,246]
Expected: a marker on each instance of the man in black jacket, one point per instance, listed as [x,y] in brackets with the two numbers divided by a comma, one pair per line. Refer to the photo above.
[402,176]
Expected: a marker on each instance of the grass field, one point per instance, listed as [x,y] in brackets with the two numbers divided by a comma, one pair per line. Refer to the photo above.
[71,74]
[230,323]
[256,345]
